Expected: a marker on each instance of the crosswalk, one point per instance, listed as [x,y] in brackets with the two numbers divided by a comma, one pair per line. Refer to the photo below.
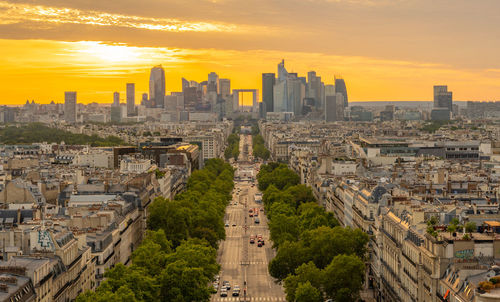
[250,262]
[229,299]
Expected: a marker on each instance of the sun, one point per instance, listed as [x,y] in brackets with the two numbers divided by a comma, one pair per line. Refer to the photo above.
[112,53]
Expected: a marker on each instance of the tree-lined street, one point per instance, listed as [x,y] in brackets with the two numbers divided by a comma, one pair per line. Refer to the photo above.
[242,263]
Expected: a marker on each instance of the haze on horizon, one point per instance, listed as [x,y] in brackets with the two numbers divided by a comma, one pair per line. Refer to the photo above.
[386,50]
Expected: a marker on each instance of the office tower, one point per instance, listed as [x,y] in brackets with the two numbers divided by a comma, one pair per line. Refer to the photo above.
[156,87]
[130,99]
[268,81]
[192,94]
[330,103]
[185,84]
[174,102]
[314,89]
[224,87]
[341,88]
[443,98]
[296,94]
[116,114]
[280,89]
[70,106]
[213,83]
[116,99]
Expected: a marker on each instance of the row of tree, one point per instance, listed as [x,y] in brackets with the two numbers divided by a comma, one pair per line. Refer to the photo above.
[177,259]
[37,133]
[233,146]
[259,149]
[316,258]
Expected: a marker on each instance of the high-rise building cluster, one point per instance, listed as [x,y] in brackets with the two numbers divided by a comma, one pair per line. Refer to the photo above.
[303,97]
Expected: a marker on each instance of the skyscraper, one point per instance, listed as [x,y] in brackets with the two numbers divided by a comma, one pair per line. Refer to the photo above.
[334,104]
[341,88]
[443,98]
[116,99]
[130,99]
[280,90]
[213,83]
[314,90]
[296,94]
[157,87]
[70,106]
[268,81]
[224,87]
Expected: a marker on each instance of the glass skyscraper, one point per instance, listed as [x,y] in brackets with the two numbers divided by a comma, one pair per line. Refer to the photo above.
[157,87]
[341,88]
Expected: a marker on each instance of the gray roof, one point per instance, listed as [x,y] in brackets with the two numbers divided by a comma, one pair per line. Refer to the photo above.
[98,198]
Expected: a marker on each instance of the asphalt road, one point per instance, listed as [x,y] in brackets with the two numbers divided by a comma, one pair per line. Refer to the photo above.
[240,260]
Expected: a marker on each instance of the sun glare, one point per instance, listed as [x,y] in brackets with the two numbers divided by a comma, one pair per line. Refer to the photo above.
[110,53]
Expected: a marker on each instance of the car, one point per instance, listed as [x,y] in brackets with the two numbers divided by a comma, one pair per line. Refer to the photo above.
[259,244]
[226,285]
[256,214]
[223,292]
[234,224]
[252,240]
[216,286]
[262,209]
[227,224]
[257,220]
[236,291]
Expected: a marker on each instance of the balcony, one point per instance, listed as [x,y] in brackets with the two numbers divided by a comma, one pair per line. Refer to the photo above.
[390,237]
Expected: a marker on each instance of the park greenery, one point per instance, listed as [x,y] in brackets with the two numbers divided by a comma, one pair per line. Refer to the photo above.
[38,133]
[177,259]
[316,258]
[233,146]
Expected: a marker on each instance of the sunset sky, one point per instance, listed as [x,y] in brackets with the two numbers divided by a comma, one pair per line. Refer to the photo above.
[386,50]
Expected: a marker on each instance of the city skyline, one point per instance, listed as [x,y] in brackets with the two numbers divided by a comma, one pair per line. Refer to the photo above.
[95,48]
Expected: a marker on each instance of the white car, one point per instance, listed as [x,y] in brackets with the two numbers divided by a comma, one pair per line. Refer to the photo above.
[223,292]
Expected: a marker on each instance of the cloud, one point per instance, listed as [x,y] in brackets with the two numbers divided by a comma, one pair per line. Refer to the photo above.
[18,13]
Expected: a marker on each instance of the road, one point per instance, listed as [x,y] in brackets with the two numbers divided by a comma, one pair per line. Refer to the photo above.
[241,261]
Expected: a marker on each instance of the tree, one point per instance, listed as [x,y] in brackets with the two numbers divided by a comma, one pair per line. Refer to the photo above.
[301,194]
[197,253]
[289,257]
[283,228]
[451,228]
[179,282]
[433,221]
[343,278]
[470,227]
[307,293]
[307,272]
[152,253]
[325,243]
[171,217]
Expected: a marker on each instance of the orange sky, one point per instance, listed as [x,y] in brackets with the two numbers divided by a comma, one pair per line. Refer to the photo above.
[96,48]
